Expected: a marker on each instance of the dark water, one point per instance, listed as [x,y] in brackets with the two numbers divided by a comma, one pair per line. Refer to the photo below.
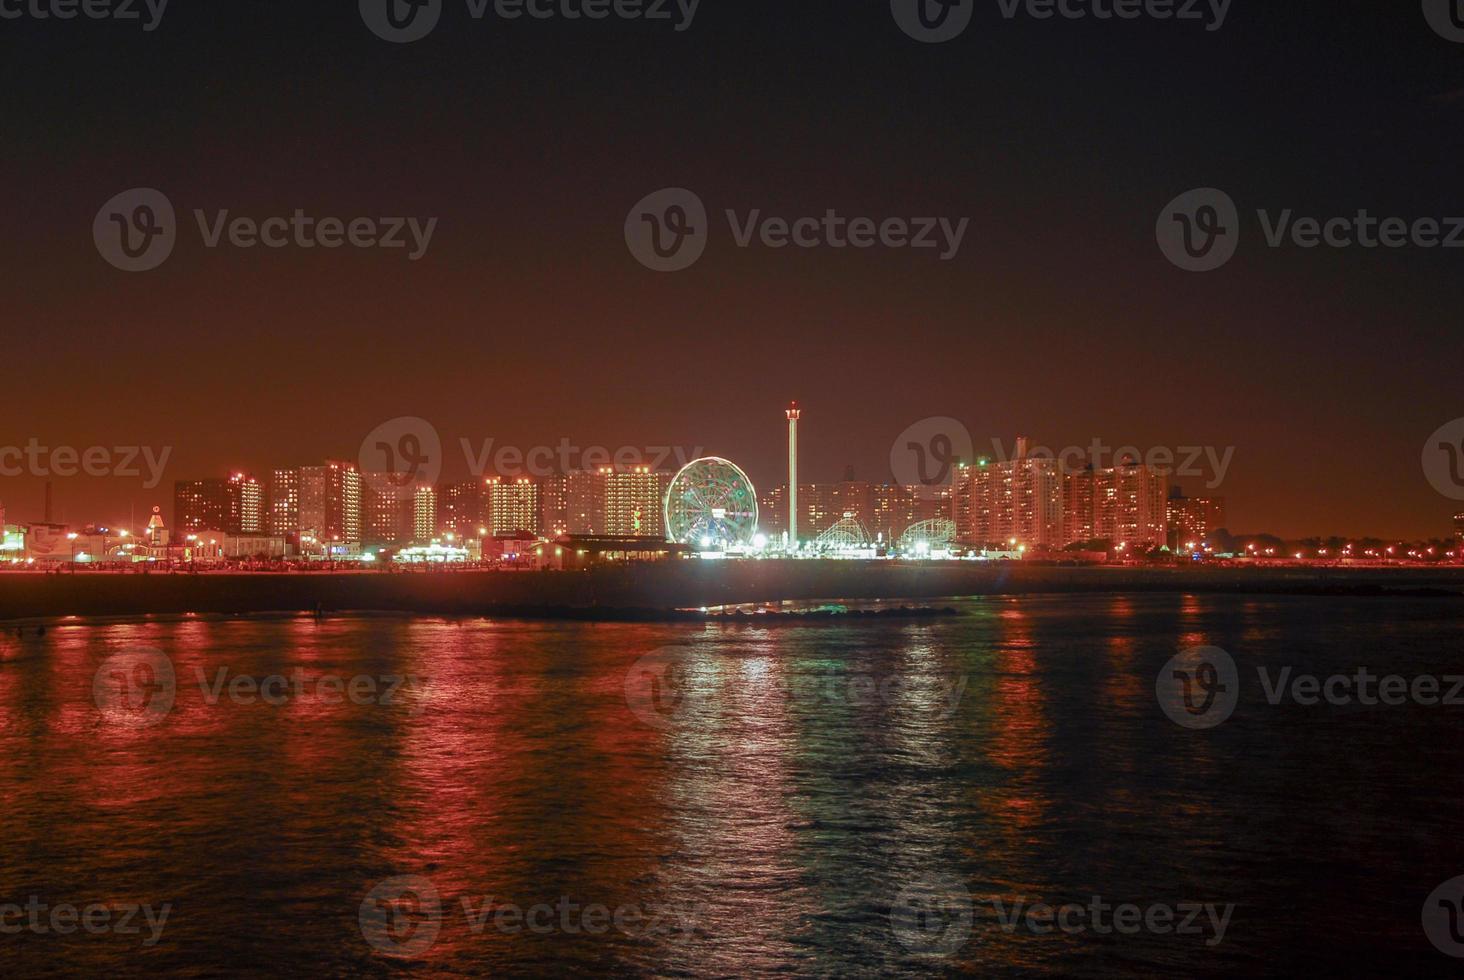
[749,801]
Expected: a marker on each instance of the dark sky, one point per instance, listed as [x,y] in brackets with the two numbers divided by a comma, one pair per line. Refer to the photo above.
[529,321]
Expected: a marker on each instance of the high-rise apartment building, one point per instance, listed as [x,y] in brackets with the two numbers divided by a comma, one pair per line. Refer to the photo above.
[330,503]
[386,510]
[1191,519]
[284,502]
[633,502]
[1130,505]
[514,505]
[234,506]
[1015,503]
[554,505]
[464,510]
[424,514]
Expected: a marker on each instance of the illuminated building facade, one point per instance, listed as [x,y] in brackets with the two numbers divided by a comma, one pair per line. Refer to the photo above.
[424,514]
[554,505]
[514,505]
[585,501]
[1191,519]
[386,512]
[235,505]
[1459,529]
[633,502]
[464,510]
[1130,505]
[1077,505]
[330,504]
[284,502]
[1018,503]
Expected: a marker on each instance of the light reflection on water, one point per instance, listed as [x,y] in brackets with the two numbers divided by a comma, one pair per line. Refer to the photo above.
[814,772]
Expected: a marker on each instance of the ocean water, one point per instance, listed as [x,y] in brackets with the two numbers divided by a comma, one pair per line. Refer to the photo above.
[1001,792]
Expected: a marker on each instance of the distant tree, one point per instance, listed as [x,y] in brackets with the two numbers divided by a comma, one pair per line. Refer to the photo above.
[1221,541]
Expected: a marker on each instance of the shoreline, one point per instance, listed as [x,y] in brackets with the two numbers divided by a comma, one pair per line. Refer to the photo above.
[667,589]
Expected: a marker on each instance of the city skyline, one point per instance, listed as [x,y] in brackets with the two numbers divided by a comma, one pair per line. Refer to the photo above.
[1201,472]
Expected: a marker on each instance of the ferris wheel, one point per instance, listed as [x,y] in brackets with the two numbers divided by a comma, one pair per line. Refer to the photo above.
[711,503]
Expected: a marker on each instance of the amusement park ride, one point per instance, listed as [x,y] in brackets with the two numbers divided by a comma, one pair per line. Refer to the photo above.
[711,505]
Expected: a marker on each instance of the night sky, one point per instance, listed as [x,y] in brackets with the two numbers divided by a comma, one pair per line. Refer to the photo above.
[529,321]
